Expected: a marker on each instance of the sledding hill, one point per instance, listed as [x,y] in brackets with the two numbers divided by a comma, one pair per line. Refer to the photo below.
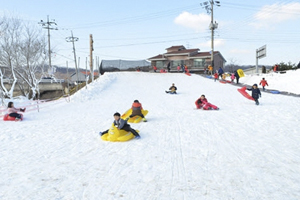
[242,151]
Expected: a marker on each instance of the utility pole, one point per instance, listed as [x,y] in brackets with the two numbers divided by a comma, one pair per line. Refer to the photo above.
[209,6]
[73,40]
[91,57]
[47,25]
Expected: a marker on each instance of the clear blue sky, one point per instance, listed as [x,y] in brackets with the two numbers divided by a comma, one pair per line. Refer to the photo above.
[142,29]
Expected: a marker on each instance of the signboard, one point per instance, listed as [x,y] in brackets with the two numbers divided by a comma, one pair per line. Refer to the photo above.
[261,52]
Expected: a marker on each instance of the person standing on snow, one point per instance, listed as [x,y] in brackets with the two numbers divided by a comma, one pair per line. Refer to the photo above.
[232,77]
[220,72]
[263,83]
[154,68]
[182,67]
[236,74]
[216,76]
[255,93]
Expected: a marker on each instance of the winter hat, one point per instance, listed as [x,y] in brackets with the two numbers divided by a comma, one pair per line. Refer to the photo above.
[136,101]
[255,85]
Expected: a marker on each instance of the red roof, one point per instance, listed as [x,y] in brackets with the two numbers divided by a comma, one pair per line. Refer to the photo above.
[183,51]
[160,56]
[173,47]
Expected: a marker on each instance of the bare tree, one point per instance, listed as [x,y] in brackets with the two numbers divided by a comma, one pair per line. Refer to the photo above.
[232,66]
[22,50]
[33,59]
[10,36]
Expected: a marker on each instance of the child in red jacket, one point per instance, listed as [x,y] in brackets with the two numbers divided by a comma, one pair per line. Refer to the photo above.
[203,103]
[216,76]
[263,83]
[137,110]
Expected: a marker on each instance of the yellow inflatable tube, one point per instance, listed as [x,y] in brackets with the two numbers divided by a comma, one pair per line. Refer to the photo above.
[116,135]
[135,119]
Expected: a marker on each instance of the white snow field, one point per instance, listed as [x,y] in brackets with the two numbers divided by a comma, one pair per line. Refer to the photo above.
[241,152]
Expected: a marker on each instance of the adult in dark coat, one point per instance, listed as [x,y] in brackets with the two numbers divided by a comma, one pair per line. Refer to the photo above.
[237,77]
[182,67]
[168,67]
[255,93]
[220,72]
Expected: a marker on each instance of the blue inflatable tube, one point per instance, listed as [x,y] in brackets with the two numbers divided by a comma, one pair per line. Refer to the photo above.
[275,92]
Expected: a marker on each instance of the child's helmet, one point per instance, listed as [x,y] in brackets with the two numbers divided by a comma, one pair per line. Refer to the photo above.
[136,101]
[255,84]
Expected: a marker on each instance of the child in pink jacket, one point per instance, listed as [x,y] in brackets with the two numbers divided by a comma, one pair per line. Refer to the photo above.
[203,103]
[13,112]
[232,77]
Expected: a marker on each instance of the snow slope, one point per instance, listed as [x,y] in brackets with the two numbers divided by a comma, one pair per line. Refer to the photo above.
[242,151]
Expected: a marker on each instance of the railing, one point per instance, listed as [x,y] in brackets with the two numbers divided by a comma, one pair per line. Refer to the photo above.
[35,105]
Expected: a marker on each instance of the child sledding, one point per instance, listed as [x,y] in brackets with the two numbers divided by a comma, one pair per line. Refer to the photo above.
[136,113]
[12,113]
[172,89]
[120,131]
[202,103]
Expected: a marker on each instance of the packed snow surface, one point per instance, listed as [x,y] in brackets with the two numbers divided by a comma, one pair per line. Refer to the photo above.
[242,151]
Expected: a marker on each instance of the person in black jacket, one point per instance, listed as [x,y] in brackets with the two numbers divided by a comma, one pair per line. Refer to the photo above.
[237,77]
[255,93]
[172,89]
[122,124]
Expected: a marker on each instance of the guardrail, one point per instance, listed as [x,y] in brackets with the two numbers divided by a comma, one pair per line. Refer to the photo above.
[35,105]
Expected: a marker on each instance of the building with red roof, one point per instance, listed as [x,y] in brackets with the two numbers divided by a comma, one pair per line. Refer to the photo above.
[193,58]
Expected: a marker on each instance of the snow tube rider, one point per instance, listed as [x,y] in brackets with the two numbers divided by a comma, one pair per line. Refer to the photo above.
[137,110]
[121,124]
[172,89]
[255,93]
[203,103]
[13,112]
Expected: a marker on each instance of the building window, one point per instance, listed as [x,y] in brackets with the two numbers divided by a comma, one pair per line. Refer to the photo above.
[160,64]
[199,63]
[175,63]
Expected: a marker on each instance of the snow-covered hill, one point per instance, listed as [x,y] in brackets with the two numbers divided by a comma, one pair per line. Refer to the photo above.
[242,151]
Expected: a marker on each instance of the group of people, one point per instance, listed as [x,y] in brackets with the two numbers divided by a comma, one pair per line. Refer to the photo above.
[220,73]
[201,103]
[122,124]
[182,68]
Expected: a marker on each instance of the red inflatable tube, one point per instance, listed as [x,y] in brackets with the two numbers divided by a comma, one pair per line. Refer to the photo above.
[9,118]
